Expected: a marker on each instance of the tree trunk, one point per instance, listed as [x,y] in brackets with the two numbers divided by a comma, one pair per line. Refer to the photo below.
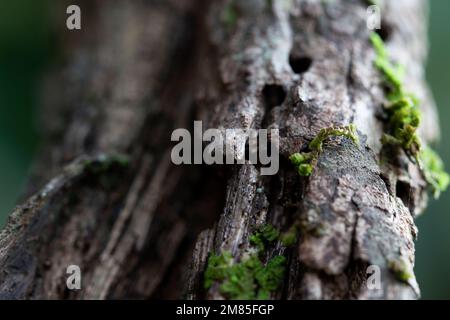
[139,69]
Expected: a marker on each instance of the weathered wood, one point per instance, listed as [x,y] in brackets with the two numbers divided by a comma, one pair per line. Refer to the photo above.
[140,69]
[124,89]
[350,214]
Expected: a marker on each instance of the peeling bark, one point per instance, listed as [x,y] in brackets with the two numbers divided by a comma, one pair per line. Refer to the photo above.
[141,69]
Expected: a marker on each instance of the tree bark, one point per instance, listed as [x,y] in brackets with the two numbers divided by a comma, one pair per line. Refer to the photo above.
[144,228]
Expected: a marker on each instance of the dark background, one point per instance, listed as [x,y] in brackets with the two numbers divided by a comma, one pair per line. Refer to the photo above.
[27,47]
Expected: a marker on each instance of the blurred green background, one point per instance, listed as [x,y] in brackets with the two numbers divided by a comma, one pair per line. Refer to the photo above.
[26,49]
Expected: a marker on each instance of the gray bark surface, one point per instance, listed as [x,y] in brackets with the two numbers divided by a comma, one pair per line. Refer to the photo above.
[140,69]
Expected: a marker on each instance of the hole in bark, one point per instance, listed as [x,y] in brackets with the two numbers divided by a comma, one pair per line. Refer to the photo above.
[385,31]
[300,64]
[403,191]
[274,95]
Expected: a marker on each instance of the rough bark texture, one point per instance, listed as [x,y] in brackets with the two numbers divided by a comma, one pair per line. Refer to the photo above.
[139,69]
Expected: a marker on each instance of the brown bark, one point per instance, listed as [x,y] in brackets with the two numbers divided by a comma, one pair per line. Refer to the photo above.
[138,70]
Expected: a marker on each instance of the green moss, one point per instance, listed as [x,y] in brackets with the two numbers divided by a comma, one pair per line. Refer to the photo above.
[434,172]
[404,119]
[393,73]
[266,234]
[373,2]
[289,238]
[230,15]
[269,233]
[402,110]
[248,279]
[306,161]
[400,270]
[303,162]
[346,131]
[107,169]
[403,122]
[217,269]
[106,162]
[270,277]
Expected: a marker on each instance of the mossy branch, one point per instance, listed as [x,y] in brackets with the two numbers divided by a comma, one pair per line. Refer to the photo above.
[306,161]
[250,278]
[404,117]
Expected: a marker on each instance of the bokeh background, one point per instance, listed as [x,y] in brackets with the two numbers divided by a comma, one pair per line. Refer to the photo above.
[27,48]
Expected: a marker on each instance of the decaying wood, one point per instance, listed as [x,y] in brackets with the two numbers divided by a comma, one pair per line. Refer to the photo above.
[140,69]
